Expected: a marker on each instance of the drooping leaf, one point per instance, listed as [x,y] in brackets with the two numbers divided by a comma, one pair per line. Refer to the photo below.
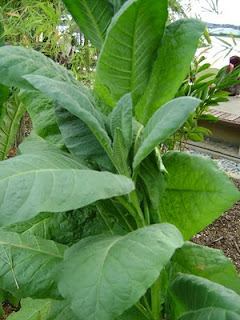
[77,103]
[189,293]
[197,192]
[113,271]
[41,111]
[130,47]
[164,122]
[27,265]
[78,138]
[32,310]
[205,262]
[171,66]
[37,145]
[15,62]
[92,17]
[10,117]
[52,182]
[121,118]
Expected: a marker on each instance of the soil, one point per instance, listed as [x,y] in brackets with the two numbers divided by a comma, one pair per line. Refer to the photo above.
[8,309]
[223,233]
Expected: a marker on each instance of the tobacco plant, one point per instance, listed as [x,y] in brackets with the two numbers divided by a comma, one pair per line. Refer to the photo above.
[95,221]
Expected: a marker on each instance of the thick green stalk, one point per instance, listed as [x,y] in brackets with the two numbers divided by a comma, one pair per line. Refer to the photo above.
[134,200]
[155,291]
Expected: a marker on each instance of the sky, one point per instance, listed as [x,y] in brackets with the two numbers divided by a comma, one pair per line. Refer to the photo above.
[229,14]
[229,11]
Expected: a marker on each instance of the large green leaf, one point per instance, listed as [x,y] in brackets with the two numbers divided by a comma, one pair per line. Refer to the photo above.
[27,265]
[190,293]
[210,314]
[154,180]
[32,310]
[92,17]
[2,40]
[10,117]
[197,192]
[116,4]
[132,314]
[60,310]
[15,62]
[115,271]
[78,138]
[53,182]
[171,66]
[4,95]
[41,111]
[69,227]
[121,118]
[164,123]
[131,44]
[205,262]
[77,103]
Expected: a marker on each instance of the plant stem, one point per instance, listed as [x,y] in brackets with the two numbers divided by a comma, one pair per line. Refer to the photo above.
[146,210]
[141,308]
[155,290]
[134,200]
[131,228]
[130,209]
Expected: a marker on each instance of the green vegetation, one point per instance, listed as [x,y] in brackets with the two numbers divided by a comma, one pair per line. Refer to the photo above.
[95,220]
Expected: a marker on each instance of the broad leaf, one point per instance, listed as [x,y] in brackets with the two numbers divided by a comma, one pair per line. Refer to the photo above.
[126,58]
[205,262]
[32,310]
[69,227]
[37,145]
[53,182]
[210,314]
[114,272]
[197,192]
[2,40]
[171,66]
[15,62]
[10,117]
[41,111]
[164,123]
[60,310]
[77,103]
[4,95]
[117,4]
[132,314]
[154,180]
[79,139]
[27,265]
[121,153]
[190,293]
[121,118]
[92,17]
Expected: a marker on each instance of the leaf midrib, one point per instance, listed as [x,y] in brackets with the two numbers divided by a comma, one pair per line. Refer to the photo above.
[90,14]
[20,246]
